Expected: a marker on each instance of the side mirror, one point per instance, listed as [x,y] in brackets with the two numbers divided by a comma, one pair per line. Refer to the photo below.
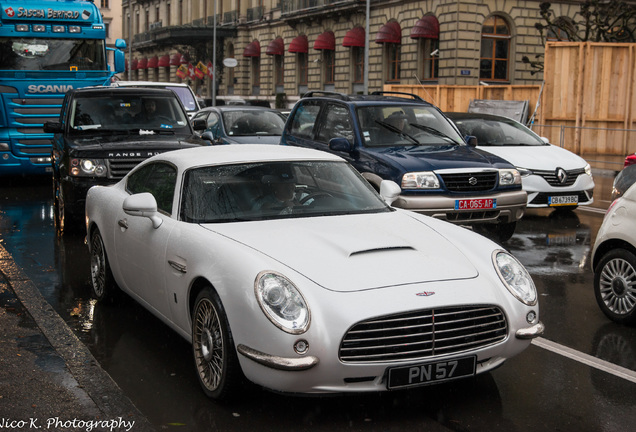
[207,135]
[52,127]
[389,191]
[545,140]
[340,145]
[199,124]
[120,60]
[471,140]
[120,44]
[143,205]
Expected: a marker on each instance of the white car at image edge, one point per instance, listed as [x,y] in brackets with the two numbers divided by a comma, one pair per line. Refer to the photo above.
[552,176]
[282,265]
[614,253]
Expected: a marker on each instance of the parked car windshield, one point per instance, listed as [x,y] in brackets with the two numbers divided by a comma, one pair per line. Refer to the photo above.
[253,122]
[502,132]
[154,114]
[257,191]
[395,125]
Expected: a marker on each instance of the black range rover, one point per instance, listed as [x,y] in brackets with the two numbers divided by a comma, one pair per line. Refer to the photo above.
[104,132]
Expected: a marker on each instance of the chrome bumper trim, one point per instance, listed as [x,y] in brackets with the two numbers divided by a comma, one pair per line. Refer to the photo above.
[530,332]
[275,362]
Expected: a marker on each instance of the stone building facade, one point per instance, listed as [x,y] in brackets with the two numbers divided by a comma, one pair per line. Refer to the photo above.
[284,48]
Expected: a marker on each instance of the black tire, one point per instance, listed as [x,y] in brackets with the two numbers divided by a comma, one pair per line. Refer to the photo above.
[615,285]
[103,286]
[58,207]
[215,359]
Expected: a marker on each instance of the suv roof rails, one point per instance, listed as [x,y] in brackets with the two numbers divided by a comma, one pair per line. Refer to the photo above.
[334,95]
[410,95]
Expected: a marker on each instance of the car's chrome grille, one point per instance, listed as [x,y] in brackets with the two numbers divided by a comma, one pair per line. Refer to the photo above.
[470,182]
[553,180]
[422,334]
[118,168]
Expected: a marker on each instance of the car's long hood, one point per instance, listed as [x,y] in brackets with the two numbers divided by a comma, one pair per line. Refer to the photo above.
[254,139]
[100,146]
[352,253]
[431,158]
[544,158]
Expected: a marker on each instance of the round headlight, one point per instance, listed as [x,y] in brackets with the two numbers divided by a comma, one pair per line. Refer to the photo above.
[515,277]
[282,303]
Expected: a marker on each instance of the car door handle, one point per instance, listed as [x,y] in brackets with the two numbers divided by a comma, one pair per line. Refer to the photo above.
[123,223]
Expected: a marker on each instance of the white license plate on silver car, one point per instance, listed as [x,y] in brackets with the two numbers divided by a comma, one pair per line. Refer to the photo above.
[564,200]
[429,373]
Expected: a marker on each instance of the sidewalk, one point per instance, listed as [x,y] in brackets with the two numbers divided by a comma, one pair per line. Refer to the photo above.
[49,380]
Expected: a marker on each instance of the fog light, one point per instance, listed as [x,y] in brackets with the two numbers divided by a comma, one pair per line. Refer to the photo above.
[531,317]
[301,346]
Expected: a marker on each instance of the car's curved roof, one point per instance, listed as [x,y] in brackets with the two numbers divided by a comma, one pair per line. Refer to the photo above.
[241,153]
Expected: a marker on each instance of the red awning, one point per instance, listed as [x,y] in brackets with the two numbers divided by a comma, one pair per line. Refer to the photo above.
[427,28]
[143,63]
[327,41]
[164,61]
[390,32]
[253,49]
[276,47]
[299,45]
[153,62]
[354,38]
[133,64]
[175,59]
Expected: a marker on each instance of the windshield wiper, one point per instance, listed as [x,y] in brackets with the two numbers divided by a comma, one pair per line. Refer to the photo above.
[432,131]
[397,131]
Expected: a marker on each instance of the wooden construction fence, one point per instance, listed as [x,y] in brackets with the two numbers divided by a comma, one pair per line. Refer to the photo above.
[588,102]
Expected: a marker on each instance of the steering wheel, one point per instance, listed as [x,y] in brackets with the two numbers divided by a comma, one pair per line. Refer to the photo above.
[314,195]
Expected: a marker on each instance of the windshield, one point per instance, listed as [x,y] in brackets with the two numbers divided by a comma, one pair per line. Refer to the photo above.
[125,113]
[407,125]
[253,122]
[186,96]
[273,190]
[498,132]
[52,54]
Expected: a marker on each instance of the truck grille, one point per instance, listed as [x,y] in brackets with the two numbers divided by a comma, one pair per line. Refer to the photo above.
[470,182]
[553,180]
[424,333]
[118,168]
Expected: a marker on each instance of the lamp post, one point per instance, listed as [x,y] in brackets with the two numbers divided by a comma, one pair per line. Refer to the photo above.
[366,49]
[214,56]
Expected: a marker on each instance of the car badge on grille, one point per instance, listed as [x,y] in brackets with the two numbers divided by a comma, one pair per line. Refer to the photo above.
[425,293]
[561,175]
[472,181]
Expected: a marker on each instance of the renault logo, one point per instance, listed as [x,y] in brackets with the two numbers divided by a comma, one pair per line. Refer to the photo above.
[561,175]
[472,181]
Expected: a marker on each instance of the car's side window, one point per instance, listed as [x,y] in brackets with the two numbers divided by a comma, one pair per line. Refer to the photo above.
[304,119]
[336,124]
[157,178]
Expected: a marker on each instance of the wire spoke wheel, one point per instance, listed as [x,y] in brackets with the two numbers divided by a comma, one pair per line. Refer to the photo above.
[208,345]
[98,266]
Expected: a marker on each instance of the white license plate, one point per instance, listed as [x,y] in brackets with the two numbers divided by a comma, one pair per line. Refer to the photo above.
[428,373]
[564,200]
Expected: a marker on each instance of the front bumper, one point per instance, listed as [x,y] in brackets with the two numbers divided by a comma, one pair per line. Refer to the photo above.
[510,207]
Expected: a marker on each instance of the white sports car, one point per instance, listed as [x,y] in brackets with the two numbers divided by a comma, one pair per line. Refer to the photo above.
[284,266]
[552,176]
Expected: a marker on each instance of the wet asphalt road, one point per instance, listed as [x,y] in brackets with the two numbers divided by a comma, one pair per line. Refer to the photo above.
[580,376]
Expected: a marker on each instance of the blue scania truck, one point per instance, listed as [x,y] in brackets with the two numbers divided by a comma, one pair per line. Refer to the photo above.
[47,47]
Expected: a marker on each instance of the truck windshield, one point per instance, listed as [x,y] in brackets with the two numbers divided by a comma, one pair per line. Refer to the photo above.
[52,54]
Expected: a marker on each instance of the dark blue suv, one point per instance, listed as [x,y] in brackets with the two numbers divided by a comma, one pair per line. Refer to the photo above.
[400,137]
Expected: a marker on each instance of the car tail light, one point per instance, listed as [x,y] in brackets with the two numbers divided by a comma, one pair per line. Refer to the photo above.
[630,160]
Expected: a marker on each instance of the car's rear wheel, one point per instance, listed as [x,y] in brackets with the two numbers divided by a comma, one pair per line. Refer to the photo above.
[103,284]
[615,286]
[215,357]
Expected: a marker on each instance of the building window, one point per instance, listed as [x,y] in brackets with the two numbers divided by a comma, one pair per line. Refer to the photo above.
[107,28]
[256,71]
[329,61]
[495,49]
[303,67]
[146,21]
[358,64]
[105,4]
[279,70]
[168,14]
[393,62]
[430,59]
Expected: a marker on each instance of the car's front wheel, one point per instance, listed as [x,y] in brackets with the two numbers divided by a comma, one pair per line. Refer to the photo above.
[615,286]
[215,357]
[103,284]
